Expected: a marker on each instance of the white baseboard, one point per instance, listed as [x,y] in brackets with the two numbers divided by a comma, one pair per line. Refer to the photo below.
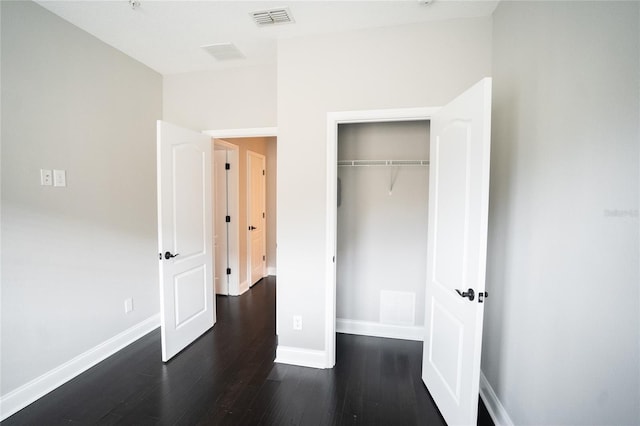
[19,398]
[375,329]
[301,357]
[495,408]
[271,271]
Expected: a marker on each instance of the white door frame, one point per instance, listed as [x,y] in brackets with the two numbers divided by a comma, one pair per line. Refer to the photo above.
[233,188]
[333,120]
[248,132]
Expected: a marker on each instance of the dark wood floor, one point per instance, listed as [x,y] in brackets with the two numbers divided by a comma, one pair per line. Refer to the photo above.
[228,377]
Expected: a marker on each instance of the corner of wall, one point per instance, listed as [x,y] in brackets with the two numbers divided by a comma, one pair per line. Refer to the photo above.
[302,357]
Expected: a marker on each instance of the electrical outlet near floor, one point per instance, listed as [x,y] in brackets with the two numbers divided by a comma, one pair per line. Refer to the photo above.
[297,322]
[128,305]
[46,178]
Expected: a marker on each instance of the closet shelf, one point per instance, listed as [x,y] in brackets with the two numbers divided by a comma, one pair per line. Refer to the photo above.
[383,163]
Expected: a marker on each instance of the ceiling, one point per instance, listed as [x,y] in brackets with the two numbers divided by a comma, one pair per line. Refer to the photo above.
[167,35]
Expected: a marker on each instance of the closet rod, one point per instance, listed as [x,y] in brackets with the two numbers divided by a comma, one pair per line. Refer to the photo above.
[369,163]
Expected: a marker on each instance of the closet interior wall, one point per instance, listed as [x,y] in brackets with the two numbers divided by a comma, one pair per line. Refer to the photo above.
[382,227]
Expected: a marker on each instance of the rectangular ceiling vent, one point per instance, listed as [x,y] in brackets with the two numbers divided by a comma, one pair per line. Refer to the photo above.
[272,16]
[224,51]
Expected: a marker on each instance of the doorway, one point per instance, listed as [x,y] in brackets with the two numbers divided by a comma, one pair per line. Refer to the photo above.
[265,147]
[334,120]
[382,210]
[226,207]
[185,162]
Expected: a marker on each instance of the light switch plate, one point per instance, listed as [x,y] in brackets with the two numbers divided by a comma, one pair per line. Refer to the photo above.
[297,322]
[59,178]
[46,178]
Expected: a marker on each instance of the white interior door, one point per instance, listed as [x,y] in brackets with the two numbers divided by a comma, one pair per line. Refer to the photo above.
[187,307]
[256,216]
[457,241]
[220,223]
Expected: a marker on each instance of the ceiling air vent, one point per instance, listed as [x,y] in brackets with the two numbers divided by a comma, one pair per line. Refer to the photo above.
[272,16]
[223,51]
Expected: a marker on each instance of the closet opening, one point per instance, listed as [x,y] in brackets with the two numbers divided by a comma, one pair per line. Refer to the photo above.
[382,210]
[377,218]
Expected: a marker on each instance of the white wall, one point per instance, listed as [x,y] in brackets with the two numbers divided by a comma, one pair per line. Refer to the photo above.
[70,256]
[382,224]
[234,98]
[395,67]
[562,320]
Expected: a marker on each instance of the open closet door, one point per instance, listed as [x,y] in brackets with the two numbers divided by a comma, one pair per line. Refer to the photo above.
[187,307]
[456,247]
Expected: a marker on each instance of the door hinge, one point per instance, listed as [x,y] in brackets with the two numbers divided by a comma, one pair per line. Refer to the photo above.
[264,258]
[228,271]
[263,215]
[263,173]
[227,219]
[227,166]
[160,255]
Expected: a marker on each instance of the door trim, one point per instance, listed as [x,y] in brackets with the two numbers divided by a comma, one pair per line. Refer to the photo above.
[248,132]
[333,120]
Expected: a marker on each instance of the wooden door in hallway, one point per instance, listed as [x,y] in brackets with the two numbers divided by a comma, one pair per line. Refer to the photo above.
[256,216]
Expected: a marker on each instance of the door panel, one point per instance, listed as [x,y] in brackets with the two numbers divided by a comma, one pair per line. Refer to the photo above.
[456,259]
[190,289]
[187,307]
[446,339]
[189,224]
[221,234]
[256,213]
[451,206]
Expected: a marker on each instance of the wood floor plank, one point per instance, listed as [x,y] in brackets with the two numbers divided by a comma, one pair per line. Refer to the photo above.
[228,377]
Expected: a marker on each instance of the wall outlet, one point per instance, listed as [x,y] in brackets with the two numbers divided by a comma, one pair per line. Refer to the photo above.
[297,322]
[46,177]
[128,305]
